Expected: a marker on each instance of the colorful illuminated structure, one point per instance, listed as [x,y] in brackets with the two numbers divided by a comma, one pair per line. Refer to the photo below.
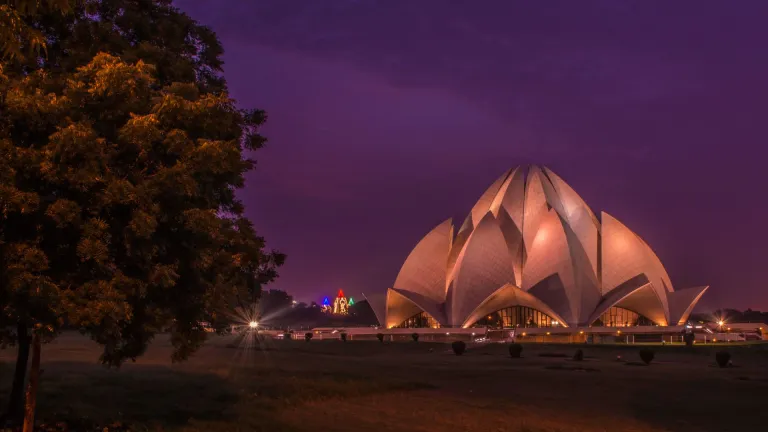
[531,253]
[340,304]
[326,306]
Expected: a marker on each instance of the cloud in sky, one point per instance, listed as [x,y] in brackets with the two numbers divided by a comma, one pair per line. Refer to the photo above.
[387,116]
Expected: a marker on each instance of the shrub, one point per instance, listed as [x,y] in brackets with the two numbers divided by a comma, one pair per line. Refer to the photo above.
[579,356]
[415,337]
[646,355]
[308,336]
[723,358]
[458,347]
[515,350]
[380,337]
[689,338]
[343,337]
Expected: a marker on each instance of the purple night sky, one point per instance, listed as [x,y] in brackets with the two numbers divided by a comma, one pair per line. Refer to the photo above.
[387,117]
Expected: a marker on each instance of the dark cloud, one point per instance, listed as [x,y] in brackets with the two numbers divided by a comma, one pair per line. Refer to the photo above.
[502,51]
[387,116]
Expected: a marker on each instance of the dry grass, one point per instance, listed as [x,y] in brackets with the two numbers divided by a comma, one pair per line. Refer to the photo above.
[356,386]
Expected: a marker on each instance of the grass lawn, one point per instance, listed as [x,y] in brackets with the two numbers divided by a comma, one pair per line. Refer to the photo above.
[368,386]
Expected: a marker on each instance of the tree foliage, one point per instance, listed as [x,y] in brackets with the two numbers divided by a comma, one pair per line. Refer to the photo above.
[120,156]
[458,347]
[275,303]
[118,205]
[16,35]
[72,32]
[647,355]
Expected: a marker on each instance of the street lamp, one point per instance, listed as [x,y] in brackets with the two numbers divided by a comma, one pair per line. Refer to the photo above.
[720,327]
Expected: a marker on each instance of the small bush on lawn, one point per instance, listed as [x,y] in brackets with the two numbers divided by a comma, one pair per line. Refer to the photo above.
[689,338]
[515,350]
[646,355]
[380,337]
[415,337]
[579,356]
[723,358]
[459,347]
[343,337]
[307,336]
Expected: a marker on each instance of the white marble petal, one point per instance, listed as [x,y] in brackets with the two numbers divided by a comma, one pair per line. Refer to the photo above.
[399,308]
[424,270]
[483,266]
[548,270]
[507,296]
[625,255]
[682,302]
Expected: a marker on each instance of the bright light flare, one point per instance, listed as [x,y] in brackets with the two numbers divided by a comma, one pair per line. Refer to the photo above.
[720,323]
[253,324]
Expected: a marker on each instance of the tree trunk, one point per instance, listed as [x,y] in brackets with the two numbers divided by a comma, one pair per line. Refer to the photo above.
[16,402]
[34,375]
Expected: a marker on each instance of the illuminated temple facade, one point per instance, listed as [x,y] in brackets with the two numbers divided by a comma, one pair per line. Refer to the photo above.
[531,253]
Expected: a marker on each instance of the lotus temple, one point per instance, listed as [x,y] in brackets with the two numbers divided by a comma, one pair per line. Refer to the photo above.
[532,256]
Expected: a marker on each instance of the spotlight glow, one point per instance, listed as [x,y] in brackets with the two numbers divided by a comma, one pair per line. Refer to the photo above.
[253,324]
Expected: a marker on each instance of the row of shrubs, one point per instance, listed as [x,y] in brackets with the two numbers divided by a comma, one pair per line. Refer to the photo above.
[343,336]
[723,358]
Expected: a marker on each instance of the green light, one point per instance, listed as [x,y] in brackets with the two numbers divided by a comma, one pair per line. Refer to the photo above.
[351,301]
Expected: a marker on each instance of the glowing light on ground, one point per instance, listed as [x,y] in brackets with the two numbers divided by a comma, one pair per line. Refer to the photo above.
[249,323]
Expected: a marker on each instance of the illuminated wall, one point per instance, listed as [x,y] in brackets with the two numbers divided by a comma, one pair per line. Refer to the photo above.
[517,316]
[620,317]
[420,320]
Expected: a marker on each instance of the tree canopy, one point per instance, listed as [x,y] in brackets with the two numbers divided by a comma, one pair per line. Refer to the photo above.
[120,156]
[62,35]
[274,303]
[16,34]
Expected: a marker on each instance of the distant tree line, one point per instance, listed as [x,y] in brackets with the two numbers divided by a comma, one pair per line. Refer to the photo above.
[276,309]
[732,315]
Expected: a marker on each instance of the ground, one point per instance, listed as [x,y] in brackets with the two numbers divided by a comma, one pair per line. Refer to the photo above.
[407,386]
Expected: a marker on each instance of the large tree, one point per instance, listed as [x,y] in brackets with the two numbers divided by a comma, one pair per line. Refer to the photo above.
[120,156]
